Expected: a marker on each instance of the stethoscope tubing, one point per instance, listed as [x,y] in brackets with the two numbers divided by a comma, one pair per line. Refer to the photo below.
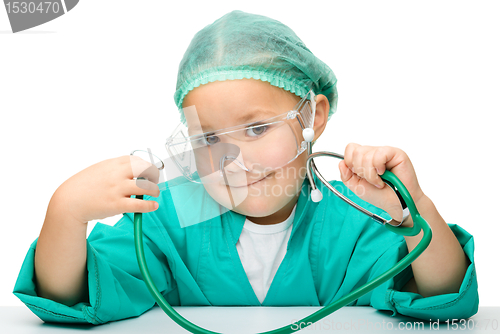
[419,224]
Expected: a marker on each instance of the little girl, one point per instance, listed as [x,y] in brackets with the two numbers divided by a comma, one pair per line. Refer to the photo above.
[270,244]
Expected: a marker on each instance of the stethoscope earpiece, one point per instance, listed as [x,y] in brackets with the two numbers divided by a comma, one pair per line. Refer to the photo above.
[308,134]
[316,195]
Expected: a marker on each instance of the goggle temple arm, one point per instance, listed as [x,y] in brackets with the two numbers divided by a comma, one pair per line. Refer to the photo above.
[308,132]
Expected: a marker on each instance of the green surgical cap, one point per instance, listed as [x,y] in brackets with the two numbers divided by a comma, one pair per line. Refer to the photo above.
[242,45]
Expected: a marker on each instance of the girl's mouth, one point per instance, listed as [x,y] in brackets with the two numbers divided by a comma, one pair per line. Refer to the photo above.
[254,182]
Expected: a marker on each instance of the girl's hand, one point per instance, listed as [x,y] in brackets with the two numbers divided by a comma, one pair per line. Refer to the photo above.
[104,189]
[361,169]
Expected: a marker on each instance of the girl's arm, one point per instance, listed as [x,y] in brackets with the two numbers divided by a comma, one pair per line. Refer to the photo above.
[441,267]
[61,256]
[99,191]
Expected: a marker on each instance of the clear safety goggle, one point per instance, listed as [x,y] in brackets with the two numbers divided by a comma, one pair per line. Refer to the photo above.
[239,155]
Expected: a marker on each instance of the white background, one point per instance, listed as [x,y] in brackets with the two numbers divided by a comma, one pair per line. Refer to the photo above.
[99,82]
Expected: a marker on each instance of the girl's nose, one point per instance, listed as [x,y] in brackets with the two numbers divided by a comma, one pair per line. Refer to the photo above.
[231,164]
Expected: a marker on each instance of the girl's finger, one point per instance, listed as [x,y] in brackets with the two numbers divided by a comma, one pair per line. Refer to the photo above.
[349,149]
[140,168]
[137,205]
[345,172]
[369,171]
[357,160]
[384,159]
[141,187]
[351,180]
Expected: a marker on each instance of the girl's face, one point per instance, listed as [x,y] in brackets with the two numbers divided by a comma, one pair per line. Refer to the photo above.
[264,195]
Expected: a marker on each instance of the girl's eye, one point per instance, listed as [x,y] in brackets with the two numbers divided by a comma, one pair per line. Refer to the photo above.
[211,140]
[256,131]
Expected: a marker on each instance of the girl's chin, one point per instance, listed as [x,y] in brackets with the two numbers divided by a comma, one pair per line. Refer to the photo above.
[258,200]
[259,206]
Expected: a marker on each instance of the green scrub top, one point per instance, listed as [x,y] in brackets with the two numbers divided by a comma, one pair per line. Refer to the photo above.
[333,249]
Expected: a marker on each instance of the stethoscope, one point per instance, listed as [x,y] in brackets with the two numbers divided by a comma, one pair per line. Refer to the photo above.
[407,203]
[317,196]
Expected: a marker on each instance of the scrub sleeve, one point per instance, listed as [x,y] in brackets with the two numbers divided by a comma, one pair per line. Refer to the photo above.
[116,288]
[460,305]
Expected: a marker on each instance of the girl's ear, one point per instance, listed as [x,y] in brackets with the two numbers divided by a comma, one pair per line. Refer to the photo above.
[321,117]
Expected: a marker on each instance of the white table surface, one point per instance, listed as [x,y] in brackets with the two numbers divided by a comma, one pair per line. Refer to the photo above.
[19,319]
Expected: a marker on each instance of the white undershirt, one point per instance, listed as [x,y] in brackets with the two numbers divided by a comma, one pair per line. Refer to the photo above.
[261,249]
